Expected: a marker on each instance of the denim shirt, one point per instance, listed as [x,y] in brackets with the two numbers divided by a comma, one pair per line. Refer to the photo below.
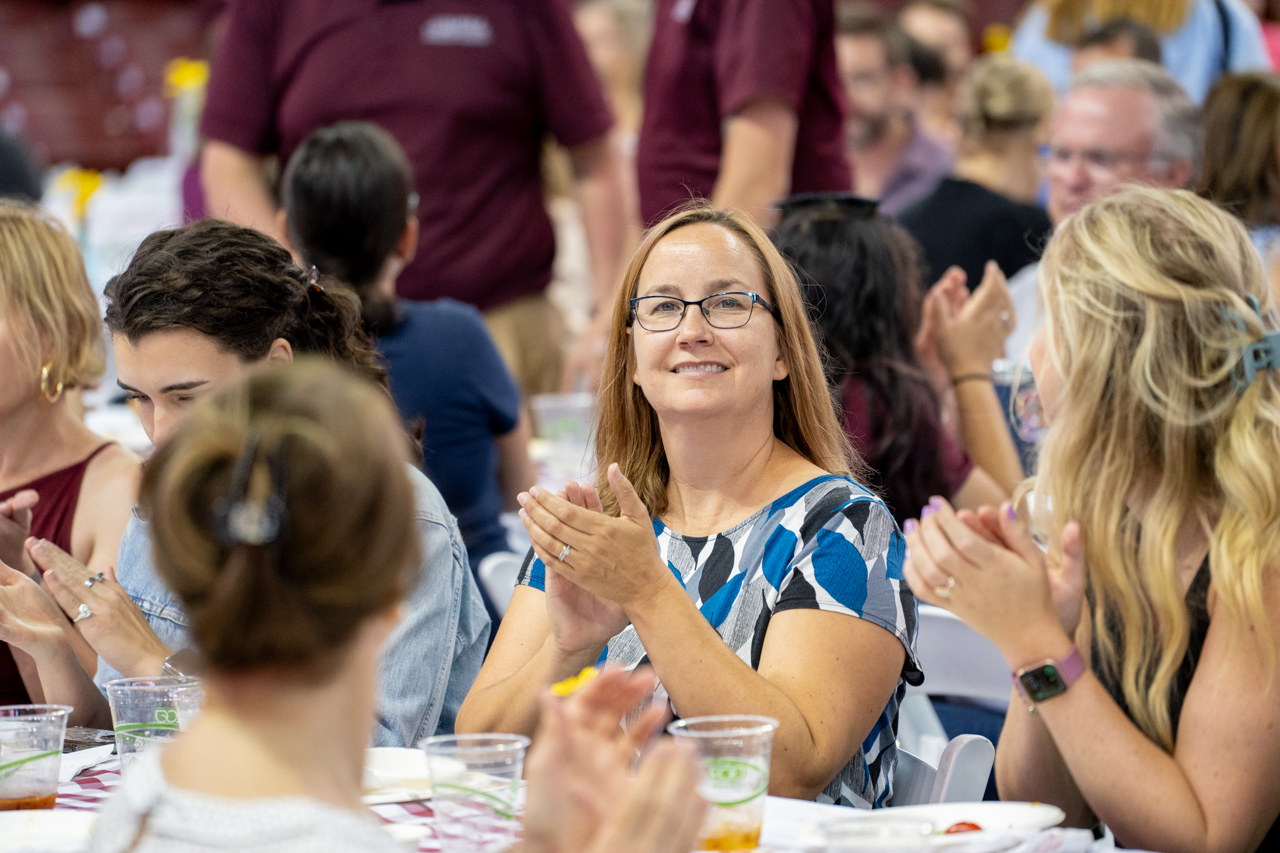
[429,661]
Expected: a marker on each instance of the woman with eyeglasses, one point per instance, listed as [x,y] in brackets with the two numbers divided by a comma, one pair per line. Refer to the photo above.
[725,540]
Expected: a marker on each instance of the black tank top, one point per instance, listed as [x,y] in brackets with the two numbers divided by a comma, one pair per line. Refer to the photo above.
[1198,609]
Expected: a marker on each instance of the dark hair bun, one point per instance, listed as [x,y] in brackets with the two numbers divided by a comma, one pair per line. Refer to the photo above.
[327,443]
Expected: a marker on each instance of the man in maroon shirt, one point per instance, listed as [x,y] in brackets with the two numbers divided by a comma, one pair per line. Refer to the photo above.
[470,89]
[742,105]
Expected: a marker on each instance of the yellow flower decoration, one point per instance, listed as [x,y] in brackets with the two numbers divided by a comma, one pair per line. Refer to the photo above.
[569,685]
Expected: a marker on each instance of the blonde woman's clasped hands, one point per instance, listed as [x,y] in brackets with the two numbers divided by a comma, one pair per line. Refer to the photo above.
[986,568]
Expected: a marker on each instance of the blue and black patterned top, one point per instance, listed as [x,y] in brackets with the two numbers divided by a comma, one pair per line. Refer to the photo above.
[826,545]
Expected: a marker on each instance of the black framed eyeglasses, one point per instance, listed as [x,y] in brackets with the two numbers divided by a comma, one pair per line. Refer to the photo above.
[722,310]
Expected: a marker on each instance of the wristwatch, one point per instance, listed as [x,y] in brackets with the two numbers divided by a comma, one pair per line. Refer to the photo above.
[1047,679]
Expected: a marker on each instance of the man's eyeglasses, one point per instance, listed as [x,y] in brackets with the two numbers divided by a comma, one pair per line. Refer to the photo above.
[722,310]
[1102,161]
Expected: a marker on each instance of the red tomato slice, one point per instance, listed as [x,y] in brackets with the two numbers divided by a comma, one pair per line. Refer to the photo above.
[963,826]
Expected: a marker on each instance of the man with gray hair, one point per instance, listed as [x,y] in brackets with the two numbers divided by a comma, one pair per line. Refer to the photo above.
[1121,122]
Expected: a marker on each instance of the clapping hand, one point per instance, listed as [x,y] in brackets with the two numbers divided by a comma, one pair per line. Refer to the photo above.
[612,558]
[15,527]
[28,619]
[581,797]
[943,301]
[581,622]
[116,629]
[988,570]
[970,335]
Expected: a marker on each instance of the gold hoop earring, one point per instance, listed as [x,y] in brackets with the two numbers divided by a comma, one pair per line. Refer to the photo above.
[45,373]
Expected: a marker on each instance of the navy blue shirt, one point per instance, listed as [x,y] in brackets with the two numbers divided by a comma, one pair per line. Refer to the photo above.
[446,369]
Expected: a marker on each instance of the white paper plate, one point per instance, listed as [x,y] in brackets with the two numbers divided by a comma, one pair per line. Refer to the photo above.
[395,775]
[994,818]
[45,830]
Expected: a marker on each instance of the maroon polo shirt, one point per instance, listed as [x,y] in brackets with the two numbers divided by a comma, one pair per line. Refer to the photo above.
[470,89]
[709,57]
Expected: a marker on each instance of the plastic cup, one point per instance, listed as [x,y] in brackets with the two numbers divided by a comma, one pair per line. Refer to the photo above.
[475,788]
[735,751]
[31,754]
[147,712]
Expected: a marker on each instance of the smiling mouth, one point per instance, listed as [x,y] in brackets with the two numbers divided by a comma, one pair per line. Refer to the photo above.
[701,368]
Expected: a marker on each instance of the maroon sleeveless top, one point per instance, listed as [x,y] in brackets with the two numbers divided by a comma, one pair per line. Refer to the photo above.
[50,519]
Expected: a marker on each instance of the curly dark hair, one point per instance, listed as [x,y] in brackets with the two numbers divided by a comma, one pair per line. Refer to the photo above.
[860,278]
[241,288]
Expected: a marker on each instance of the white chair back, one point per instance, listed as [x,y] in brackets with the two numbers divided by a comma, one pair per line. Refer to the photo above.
[960,777]
[912,781]
[958,661]
[498,573]
[920,732]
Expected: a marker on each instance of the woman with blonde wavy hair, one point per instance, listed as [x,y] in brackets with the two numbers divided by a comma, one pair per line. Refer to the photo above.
[58,481]
[724,541]
[1145,640]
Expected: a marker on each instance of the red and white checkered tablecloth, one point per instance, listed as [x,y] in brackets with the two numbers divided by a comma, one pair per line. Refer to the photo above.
[89,791]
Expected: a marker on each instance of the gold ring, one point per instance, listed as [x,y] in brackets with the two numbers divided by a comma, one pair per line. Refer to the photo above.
[945,591]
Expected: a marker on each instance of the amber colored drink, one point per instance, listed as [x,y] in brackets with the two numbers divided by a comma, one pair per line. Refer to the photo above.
[43,802]
[731,838]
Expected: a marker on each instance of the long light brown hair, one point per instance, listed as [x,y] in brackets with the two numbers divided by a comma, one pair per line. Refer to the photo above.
[1241,166]
[627,429]
[1070,19]
[1143,291]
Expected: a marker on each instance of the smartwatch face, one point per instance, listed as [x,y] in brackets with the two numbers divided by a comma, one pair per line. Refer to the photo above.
[1043,682]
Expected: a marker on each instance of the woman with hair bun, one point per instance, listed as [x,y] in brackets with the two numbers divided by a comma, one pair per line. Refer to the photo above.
[196,308]
[350,210]
[987,210]
[58,481]
[291,617]
[1146,641]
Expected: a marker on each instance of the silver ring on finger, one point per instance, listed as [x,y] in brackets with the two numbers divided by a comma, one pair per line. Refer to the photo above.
[91,581]
[564,552]
[945,590]
[83,613]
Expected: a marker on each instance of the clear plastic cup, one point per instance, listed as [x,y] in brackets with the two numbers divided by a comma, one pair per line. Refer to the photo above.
[147,712]
[563,449]
[475,790]
[31,754]
[735,751]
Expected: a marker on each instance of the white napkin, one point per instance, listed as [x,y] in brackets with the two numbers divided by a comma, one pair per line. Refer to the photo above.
[74,762]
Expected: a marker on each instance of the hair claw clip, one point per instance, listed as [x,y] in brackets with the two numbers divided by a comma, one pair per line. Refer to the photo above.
[1258,355]
[237,521]
[1261,355]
